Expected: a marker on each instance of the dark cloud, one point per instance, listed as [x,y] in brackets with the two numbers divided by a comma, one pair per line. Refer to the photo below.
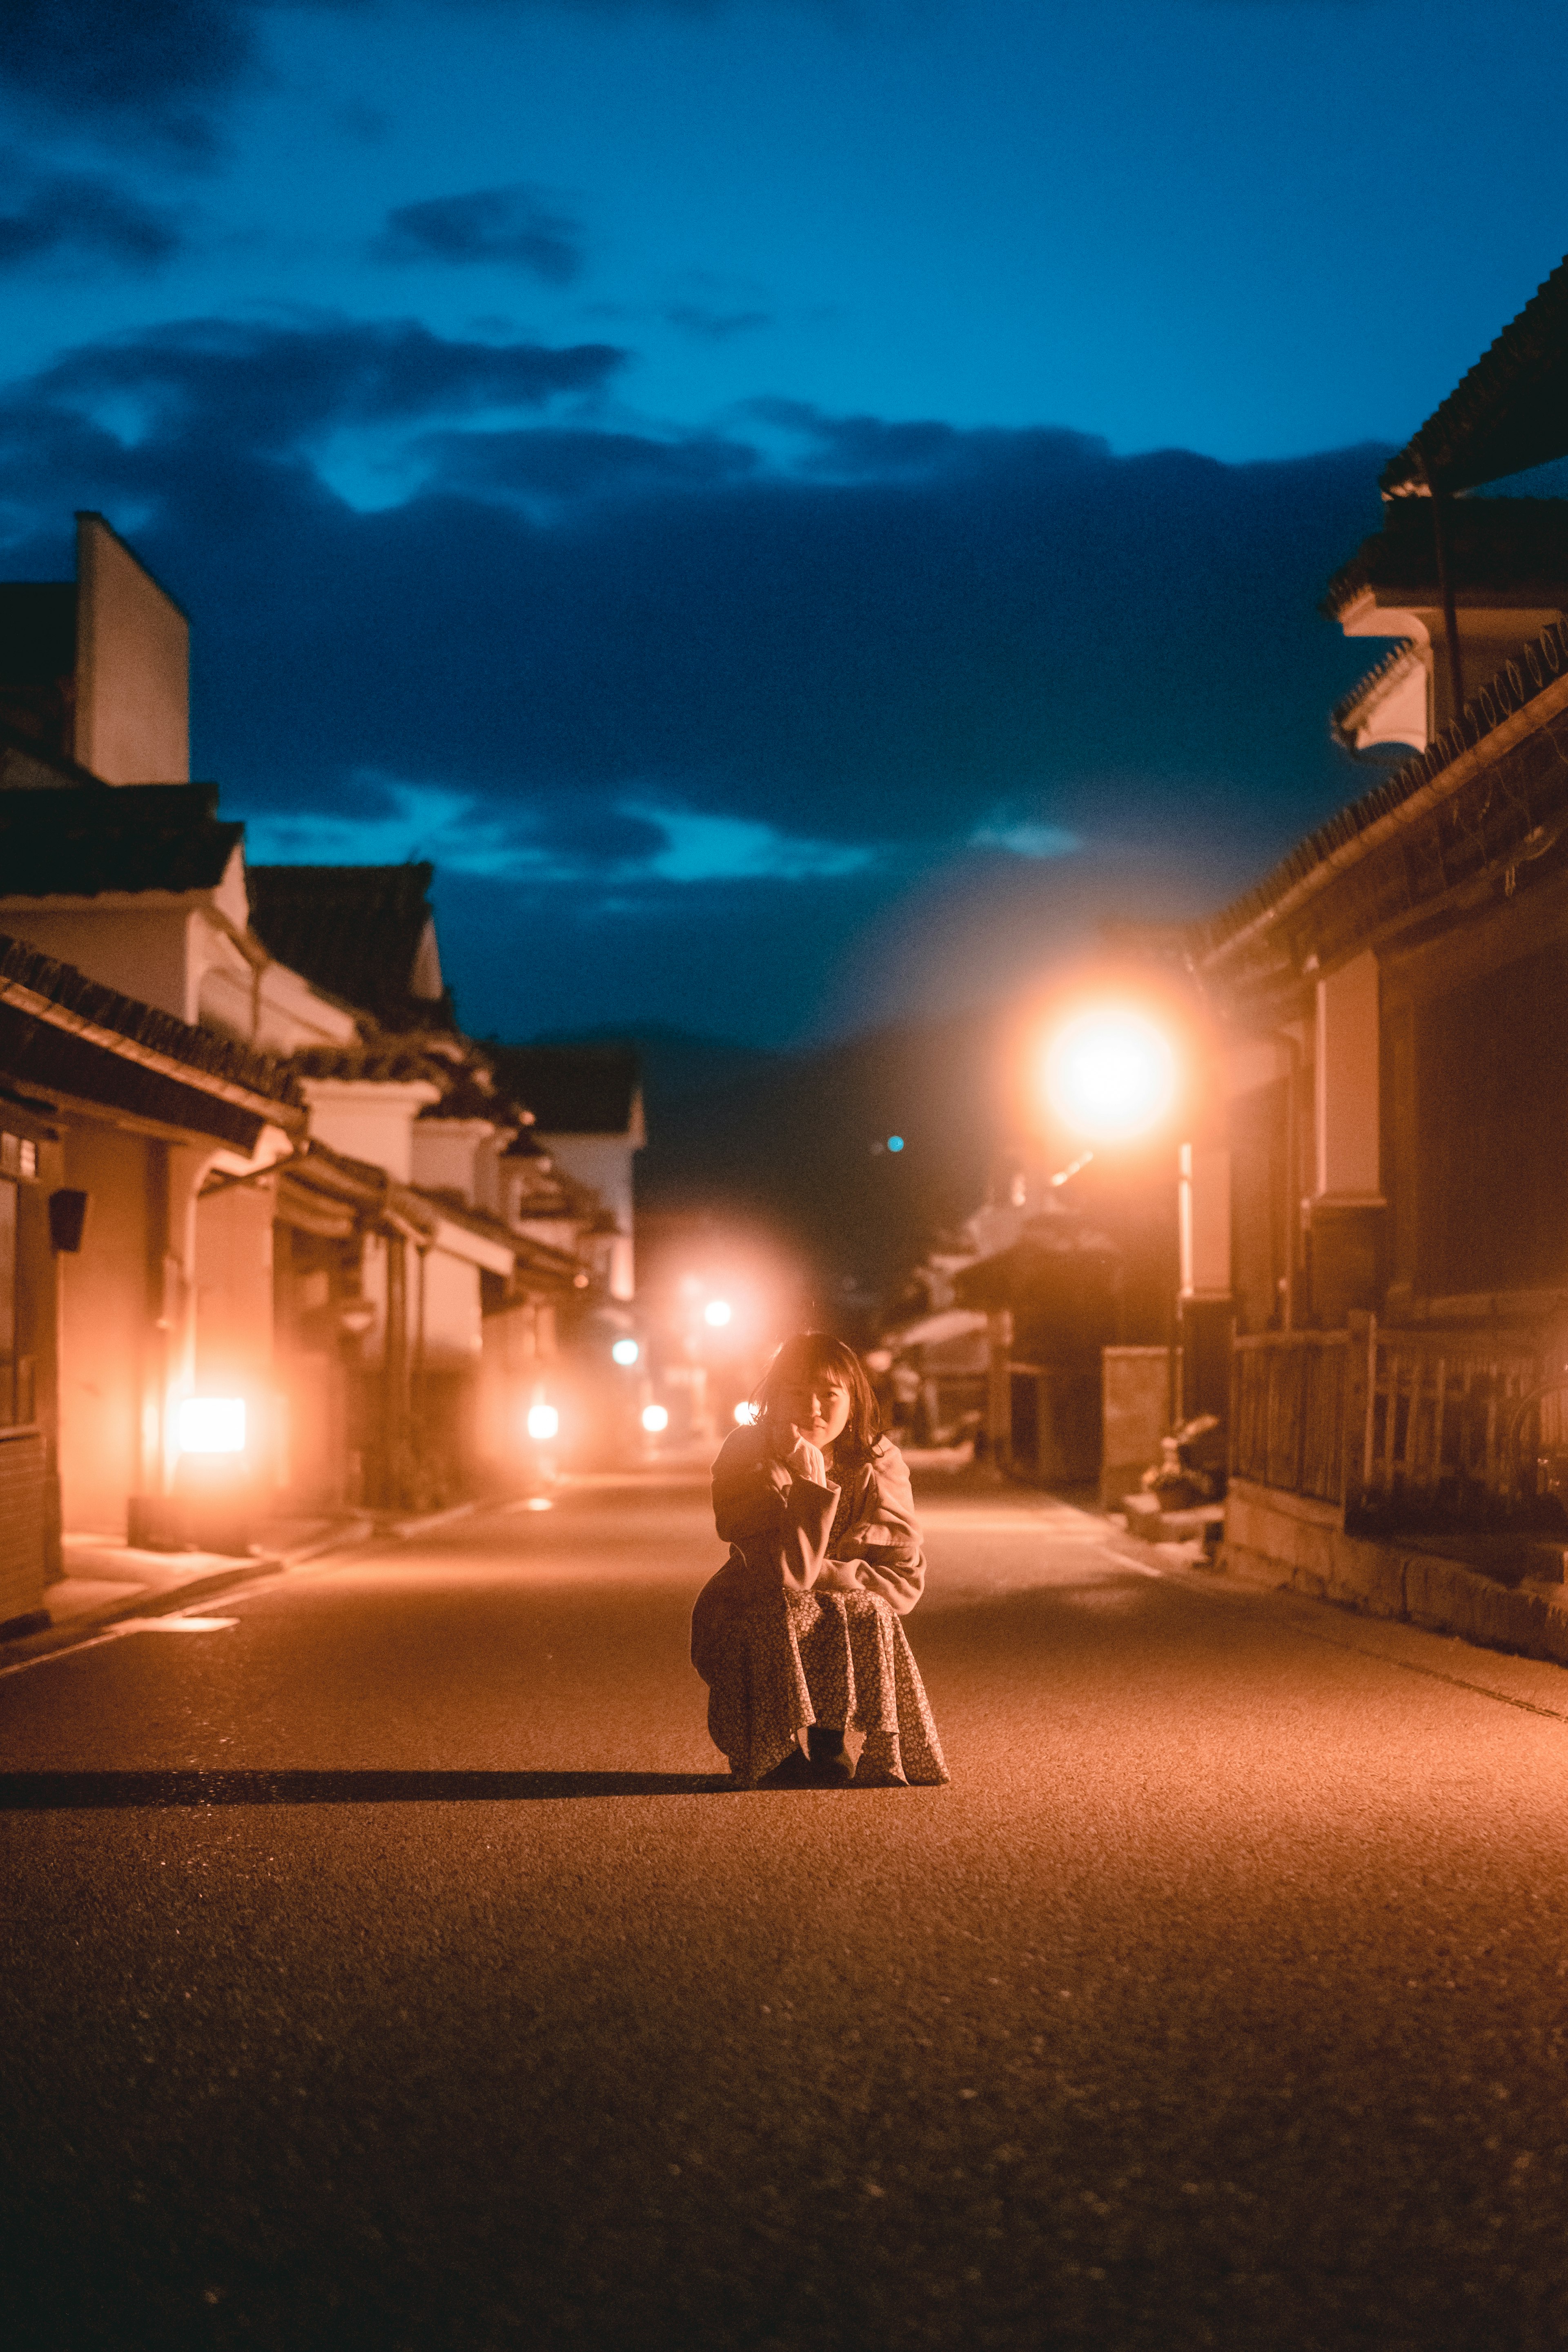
[203,386]
[519,227]
[706,326]
[135,67]
[559,464]
[686,686]
[153,64]
[76,218]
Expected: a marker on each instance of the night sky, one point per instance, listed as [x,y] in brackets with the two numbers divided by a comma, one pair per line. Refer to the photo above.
[799,509]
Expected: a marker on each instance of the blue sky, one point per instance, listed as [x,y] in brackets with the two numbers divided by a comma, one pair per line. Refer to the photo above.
[800,507]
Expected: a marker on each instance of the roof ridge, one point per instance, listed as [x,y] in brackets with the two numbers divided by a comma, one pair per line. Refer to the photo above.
[1507,358]
[144,1025]
[1540,664]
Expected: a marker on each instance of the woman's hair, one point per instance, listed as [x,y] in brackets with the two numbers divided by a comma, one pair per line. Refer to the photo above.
[810,1356]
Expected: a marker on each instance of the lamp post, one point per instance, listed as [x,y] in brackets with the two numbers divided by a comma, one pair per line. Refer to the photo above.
[1113,1078]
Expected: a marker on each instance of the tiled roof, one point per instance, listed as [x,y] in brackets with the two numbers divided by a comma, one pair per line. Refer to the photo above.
[30,762]
[60,1031]
[38,630]
[1497,547]
[1509,412]
[1345,714]
[112,837]
[570,1089]
[356,931]
[326,1191]
[471,1094]
[392,1063]
[1538,665]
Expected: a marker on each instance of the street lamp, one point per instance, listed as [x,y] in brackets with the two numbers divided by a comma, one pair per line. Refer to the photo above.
[1110,1075]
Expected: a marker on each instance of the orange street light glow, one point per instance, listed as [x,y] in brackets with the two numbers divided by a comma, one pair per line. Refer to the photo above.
[717,1312]
[543,1421]
[654,1419]
[1110,1075]
[211,1425]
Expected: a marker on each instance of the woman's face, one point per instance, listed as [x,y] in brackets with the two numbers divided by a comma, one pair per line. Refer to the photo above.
[817,1409]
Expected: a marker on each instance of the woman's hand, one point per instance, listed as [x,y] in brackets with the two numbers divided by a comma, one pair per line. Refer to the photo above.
[805,1460]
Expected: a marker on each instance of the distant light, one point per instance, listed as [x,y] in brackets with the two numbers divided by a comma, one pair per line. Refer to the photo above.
[539,1503]
[895,1142]
[1110,1075]
[543,1421]
[718,1312]
[745,1414]
[626,1351]
[654,1419]
[211,1425]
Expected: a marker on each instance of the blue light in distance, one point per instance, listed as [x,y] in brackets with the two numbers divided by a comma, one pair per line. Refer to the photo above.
[626,1351]
[895,1142]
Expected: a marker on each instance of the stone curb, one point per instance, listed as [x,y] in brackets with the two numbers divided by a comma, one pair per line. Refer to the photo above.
[1290,1550]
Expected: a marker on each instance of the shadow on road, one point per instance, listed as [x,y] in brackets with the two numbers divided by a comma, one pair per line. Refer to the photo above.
[53,1792]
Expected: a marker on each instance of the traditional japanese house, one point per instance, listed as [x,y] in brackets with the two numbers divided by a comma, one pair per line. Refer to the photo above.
[1385,1183]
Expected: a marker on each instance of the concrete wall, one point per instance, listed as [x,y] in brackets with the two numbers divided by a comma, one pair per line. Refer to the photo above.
[1136,1402]
[1288,1541]
[133,666]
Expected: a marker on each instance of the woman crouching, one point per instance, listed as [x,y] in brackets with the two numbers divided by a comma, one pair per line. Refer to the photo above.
[811,1682]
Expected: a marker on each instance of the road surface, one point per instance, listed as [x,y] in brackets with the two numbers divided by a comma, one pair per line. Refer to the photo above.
[387,1967]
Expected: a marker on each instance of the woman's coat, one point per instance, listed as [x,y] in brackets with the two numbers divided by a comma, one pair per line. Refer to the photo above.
[779,1528]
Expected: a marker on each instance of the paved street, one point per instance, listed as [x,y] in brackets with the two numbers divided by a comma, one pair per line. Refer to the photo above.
[388,1969]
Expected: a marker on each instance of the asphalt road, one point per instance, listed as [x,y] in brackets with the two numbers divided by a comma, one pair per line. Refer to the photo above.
[387,1968]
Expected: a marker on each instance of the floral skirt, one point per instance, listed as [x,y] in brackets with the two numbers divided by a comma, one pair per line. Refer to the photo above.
[777,1662]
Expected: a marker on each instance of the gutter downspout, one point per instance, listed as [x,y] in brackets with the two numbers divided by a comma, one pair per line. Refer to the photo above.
[1446,590]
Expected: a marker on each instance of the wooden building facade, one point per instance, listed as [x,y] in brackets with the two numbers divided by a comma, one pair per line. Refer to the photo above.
[1389,1012]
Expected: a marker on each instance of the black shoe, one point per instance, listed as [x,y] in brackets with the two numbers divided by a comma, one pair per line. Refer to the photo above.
[832,1766]
[794,1772]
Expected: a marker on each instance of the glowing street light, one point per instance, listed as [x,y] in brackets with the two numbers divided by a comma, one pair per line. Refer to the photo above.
[1110,1075]
[717,1312]
[626,1351]
[654,1419]
[745,1414]
[211,1425]
[543,1422]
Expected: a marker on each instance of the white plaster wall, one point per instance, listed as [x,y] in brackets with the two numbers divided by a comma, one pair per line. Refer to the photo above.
[142,949]
[106,1310]
[454,1324]
[274,1011]
[133,672]
[1347,1082]
[368,1121]
[1203,1209]
[605,1162]
[445,1151]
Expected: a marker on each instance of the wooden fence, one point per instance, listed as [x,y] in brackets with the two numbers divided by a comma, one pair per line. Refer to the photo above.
[1288,1411]
[1417,1421]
